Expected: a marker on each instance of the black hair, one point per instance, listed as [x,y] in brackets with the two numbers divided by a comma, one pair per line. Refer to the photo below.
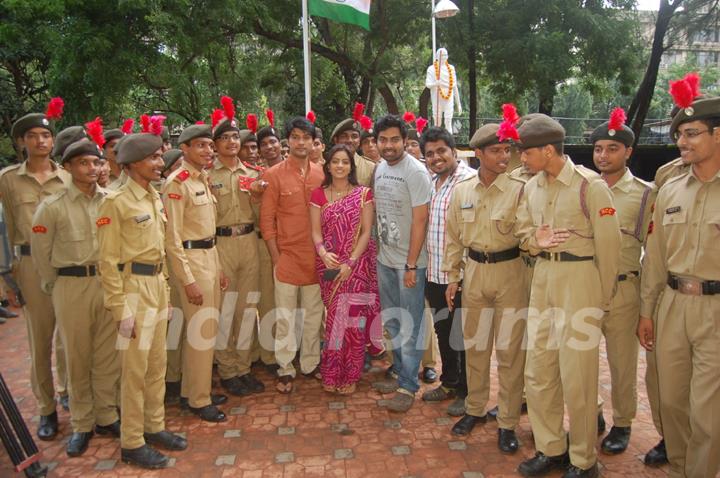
[436,133]
[319,135]
[303,124]
[390,121]
[558,147]
[352,177]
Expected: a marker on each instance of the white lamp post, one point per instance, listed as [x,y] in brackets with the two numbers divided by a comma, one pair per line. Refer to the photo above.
[443,9]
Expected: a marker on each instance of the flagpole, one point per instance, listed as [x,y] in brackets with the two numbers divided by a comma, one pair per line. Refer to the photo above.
[306,54]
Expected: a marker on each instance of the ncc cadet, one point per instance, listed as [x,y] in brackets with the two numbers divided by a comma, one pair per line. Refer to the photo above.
[681,290]
[269,146]
[112,137]
[568,220]
[22,187]
[65,240]
[131,233]
[348,132]
[633,198]
[190,245]
[230,182]
[482,220]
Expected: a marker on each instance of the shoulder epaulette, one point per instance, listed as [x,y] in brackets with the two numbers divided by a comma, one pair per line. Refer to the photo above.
[112,194]
[644,183]
[182,175]
[675,179]
[587,173]
[56,196]
[9,168]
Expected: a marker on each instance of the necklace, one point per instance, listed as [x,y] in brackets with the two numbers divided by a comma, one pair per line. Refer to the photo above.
[339,194]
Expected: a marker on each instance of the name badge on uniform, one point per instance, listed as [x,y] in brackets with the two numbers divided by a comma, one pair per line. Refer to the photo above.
[466,206]
[217,186]
[142,218]
[672,210]
[200,193]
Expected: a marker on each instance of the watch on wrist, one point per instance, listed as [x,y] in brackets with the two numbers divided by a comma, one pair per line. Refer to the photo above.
[410,268]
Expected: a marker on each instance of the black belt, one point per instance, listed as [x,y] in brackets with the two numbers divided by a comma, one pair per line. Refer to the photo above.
[493,257]
[140,269]
[693,286]
[77,271]
[629,275]
[259,234]
[199,244]
[239,230]
[563,257]
[25,250]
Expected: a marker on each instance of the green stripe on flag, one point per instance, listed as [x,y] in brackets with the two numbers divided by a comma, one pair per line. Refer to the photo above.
[339,13]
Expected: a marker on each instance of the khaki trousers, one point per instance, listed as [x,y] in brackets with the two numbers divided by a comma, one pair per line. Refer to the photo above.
[238,316]
[142,382]
[563,331]
[201,326]
[263,346]
[93,365]
[688,364]
[176,333]
[495,300]
[40,319]
[288,328]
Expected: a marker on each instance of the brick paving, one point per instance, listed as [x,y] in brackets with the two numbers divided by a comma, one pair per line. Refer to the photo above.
[310,433]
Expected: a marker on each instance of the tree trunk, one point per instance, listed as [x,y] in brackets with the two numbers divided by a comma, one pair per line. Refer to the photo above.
[424,103]
[546,96]
[390,101]
[472,69]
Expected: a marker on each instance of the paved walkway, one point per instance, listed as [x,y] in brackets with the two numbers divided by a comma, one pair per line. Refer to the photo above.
[313,434]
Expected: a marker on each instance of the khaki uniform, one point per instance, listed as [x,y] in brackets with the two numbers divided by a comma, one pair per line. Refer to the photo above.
[190,209]
[176,331]
[633,199]
[564,322]
[667,171]
[264,345]
[239,259]
[364,169]
[65,235]
[131,230]
[495,295]
[21,194]
[684,240]
[114,184]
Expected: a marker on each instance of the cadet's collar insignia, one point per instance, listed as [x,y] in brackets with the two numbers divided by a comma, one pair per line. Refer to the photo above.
[607,211]
[103,221]
[672,210]
[142,218]
[200,193]
[174,196]
[39,229]
[183,175]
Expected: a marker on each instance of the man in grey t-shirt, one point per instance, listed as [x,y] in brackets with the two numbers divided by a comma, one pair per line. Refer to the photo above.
[402,194]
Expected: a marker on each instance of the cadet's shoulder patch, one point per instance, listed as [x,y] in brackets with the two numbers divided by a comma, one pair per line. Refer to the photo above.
[103,221]
[244,182]
[182,175]
[39,229]
[174,196]
[607,211]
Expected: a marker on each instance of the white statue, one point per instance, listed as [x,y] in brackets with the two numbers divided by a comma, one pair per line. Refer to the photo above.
[442,81]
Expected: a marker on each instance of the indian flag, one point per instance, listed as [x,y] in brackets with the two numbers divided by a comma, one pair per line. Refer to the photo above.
[356,12]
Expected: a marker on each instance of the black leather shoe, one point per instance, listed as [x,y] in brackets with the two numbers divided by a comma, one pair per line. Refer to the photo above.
[252,383]
[166,440]
[48,427]
[172,393]
[235,386]
[601,424]
[7,314]
[616,441]
[209,413]
[215,399]
[113,429]
[78,443]
[65,402]
[657,456]
[271,368]
[429,375]
[507,441]
[575,472]
[466,424]
[541,464]
[144,457]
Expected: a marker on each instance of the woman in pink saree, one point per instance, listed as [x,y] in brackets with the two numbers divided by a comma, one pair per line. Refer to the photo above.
[341,213]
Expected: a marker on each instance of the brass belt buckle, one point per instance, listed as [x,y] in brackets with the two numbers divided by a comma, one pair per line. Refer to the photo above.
[689,287]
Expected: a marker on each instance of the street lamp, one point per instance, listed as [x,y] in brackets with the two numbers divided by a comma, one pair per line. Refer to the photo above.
[443,9]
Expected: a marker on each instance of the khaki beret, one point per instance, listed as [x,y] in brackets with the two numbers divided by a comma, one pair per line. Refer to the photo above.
[165,134]
[624,135]
[486,135]
[136,147]
[28,122]
[195,131]
[247,135]
[701,108]
[83,147]
[112,134]
[223,127]
[540,130]
[170,157]
[67,137]
[345,125]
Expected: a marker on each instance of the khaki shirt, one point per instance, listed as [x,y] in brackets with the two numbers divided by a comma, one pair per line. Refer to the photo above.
[580,201]
[21,194]
[114,184]
[231,189]
[131,228]
[190,209]
[521,172]
[683,237]
[64,232]
[633,199]
[364,169]
[667,171]
[481,218]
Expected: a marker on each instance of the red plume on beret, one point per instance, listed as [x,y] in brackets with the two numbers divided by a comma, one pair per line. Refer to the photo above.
[127,127]
[420,124]
[366,123]
[217,116]
[617,119]
[693,79]
[270,115]
[507,128]
[252,122]
[55,108]
[199,122]
[409,117]
[228,105]
[94,130]
[510,113]
[358,111]
[311,117]
[685,91]
[156,124]
[144,124]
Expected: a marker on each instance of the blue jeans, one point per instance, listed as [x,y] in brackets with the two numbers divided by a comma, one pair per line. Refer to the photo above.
[402,316]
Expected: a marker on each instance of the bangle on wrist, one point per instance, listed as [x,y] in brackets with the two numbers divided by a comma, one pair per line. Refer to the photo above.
[318,247]
[351,262]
